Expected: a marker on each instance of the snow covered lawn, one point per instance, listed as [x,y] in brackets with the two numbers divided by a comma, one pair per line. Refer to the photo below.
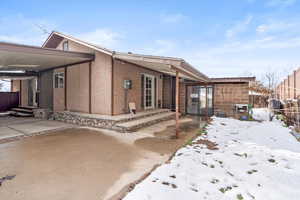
[236,160]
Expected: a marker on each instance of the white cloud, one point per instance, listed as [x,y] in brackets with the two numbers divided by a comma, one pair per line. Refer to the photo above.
[160,47]
[257,55]
[172,18]
[280,3]
[19,29]
[277,26]
[103,37]
[239,27]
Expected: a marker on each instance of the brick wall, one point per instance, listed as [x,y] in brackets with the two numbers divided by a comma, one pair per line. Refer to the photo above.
[226,95]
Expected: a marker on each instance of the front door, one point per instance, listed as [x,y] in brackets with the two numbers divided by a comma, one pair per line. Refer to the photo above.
[149,91]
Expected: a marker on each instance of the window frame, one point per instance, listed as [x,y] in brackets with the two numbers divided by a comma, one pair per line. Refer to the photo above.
[67,45]
[57,76]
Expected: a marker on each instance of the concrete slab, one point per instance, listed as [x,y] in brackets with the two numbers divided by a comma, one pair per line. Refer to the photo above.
[39,127]
[7,133]
[12,128]
[82,163]
[9,120]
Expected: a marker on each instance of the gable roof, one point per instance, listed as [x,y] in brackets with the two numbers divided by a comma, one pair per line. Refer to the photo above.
[163,64]
[56,37]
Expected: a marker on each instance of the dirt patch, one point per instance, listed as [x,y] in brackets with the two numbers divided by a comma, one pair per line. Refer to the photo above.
[209,144]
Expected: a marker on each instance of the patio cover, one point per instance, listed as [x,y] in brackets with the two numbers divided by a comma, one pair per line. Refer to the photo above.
[31,59]
[167,65]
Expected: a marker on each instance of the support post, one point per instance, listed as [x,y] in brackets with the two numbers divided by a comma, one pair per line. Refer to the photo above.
[177,104]
[90,87]
[66,86]
[20,93]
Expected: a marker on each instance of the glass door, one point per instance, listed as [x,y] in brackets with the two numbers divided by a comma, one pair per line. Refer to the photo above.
[200,100]
[210,100]
[149,92]
[193,100]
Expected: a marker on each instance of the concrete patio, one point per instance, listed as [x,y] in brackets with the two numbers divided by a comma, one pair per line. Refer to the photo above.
[12,128]
[82,163]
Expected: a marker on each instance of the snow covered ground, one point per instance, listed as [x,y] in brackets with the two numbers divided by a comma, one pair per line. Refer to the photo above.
[261,114]
[249,160]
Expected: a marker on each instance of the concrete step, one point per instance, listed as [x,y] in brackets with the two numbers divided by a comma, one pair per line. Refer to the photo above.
[23,110]
[136,124]
[21,114]
[140,115]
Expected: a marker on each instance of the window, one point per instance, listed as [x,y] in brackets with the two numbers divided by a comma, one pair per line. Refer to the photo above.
[59,80]
[65,46]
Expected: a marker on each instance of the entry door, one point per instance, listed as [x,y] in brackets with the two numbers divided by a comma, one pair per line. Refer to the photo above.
[149,91]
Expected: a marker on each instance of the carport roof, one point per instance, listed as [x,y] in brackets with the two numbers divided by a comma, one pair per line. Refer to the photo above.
[35,59]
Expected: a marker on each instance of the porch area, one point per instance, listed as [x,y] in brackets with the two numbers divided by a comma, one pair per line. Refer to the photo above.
[120,123]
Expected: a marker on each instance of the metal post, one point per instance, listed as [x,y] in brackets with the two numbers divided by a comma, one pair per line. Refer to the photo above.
[177,104]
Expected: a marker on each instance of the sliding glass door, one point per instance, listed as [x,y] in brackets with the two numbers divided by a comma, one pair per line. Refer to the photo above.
[200,100]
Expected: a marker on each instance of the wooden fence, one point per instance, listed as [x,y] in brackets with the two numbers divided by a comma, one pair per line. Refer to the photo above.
[289,88]
[8,100]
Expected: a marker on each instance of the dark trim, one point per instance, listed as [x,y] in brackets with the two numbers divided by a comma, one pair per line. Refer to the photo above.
[68,65]
[20,104]
[18,74]
[155,92]
[90,87]
[186,98]
[228,83]
[65,87]
[112,85]
[38,89]
[142,91]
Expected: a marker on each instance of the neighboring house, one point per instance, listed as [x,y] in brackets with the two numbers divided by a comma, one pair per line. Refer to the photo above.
[68,74]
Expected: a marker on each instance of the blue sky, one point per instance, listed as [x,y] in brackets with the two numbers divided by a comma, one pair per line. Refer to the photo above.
[219,37]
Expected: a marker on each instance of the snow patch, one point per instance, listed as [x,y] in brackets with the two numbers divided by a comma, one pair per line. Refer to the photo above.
[254,160]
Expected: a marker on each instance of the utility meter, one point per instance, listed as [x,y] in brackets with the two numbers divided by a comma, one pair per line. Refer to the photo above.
[127,84]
